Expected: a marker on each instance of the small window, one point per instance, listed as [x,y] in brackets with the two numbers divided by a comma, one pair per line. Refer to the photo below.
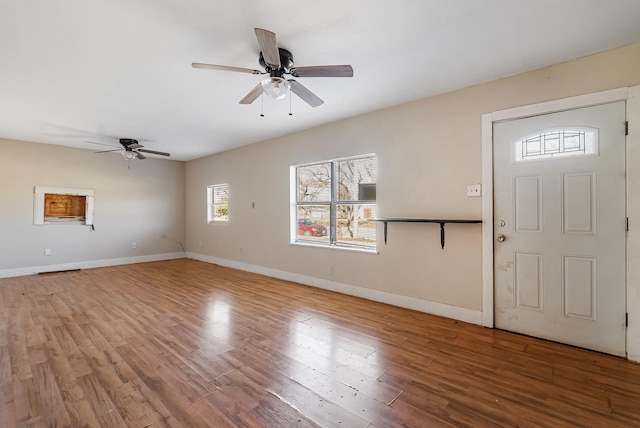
[557,143]
[335,203]
[218,203]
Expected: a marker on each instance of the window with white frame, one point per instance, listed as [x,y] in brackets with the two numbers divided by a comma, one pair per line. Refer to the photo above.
[218,203]
[335,202]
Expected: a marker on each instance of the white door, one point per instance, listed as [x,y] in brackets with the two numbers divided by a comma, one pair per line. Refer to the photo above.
[560,227]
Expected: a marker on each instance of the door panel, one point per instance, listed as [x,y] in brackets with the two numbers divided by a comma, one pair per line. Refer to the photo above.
[528,280]
[559,203]
[579,203]
[528,203]
[579,287]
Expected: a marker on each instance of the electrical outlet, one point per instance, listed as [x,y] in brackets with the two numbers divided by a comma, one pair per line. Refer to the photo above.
[241,250]
[199,243]
[330,270]
[134,245]
[47,251]
[474,190]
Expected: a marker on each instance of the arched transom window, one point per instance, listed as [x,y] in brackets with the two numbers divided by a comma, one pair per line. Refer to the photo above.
[557,143]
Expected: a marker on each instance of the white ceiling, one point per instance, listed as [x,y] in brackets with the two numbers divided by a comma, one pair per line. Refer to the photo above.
[73,71]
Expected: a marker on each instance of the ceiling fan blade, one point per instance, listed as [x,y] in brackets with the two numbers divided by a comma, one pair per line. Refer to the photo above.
[134,146]
[140,155]
[323,71]
[107,151]
[226,68]
[253,95]
[153,152]
[102,144]
[306,95]
[268,46]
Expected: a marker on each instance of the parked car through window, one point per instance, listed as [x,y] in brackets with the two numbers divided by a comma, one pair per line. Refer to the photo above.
[308,227]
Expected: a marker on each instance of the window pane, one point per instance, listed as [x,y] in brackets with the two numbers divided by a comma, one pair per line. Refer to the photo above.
[354,224]
[533,146]
[357,179]
[218,203]
[571,141]
[221,194]
[221,213]
[552,143]
[313,223]
[314,183]
[336,202]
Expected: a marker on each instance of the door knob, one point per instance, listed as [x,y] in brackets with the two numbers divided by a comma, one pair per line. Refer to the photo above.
[501,237]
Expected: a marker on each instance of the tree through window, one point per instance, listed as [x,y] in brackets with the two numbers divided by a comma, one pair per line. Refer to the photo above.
[336,202]
[218,203]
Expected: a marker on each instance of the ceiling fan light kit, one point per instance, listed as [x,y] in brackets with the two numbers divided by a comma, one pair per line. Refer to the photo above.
[278,63]
[275,87]
[129,155]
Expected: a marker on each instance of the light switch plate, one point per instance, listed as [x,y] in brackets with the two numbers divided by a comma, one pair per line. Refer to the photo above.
[474,190]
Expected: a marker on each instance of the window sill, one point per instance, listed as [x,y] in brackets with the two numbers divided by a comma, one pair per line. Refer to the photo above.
[334,247]
[65,220]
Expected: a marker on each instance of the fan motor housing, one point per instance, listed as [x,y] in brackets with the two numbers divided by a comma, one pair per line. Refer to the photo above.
[128,141]
[286,63]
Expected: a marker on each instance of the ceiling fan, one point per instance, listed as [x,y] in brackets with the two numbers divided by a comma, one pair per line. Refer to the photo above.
[278,64]
[132,150]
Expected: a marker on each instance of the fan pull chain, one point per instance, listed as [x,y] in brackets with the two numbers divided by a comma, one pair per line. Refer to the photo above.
[262,105]
[290,114]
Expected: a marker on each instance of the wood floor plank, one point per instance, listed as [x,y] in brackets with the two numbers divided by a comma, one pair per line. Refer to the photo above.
[255,353]
[152,368]
[103,409]
[5,366]
[255,405]
[347,397]
[28,403]
[362,383]
[7,406]
[168,400]
[355,333]
[183,343]
[307,402]
[4,326]
[19,355]
[52,406]
[210,415]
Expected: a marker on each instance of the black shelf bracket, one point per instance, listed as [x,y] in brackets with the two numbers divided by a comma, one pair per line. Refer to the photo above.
[441,222]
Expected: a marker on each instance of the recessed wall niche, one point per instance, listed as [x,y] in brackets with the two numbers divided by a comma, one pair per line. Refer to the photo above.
[60,205]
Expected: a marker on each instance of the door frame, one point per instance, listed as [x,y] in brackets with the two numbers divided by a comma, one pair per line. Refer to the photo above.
[632,96]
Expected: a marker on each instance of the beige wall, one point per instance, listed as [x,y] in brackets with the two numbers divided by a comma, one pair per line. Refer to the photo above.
[139,206]
[428,152]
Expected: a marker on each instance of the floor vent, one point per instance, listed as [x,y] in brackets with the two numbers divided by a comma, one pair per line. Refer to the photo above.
[57,271]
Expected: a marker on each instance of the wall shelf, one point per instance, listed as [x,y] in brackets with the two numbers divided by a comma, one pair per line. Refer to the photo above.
[441,222]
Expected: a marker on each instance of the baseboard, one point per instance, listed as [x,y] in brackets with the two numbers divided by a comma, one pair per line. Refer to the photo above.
[434,308]
[32,270]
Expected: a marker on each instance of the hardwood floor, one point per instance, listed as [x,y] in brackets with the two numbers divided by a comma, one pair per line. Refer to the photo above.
[188,344]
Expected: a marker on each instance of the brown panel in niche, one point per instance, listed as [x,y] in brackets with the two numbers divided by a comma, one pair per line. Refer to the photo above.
[64,205]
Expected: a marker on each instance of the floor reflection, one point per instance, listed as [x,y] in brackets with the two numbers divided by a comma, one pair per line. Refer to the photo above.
[218,320]
[327,347]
